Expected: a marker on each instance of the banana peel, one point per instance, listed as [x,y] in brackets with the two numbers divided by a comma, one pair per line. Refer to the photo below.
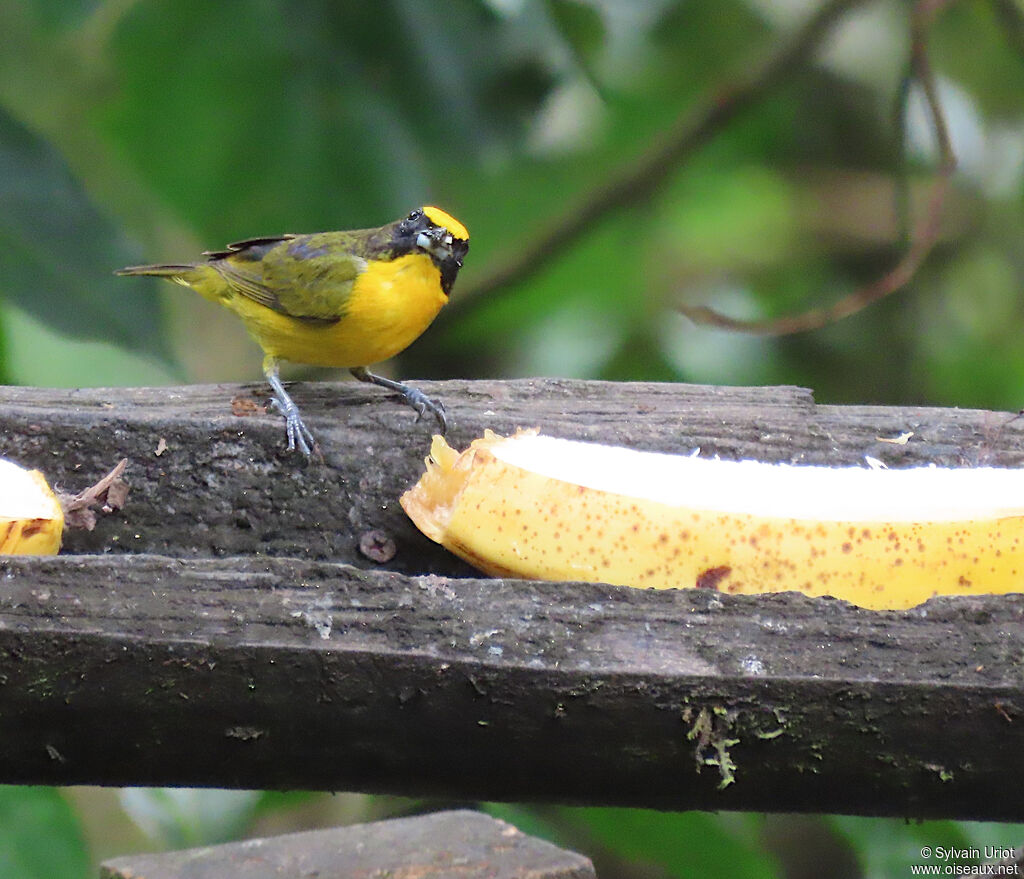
[31,517]
[544,508]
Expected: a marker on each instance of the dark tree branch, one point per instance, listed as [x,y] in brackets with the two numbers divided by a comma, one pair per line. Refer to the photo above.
[635,181]
[923,239]
[1011,16]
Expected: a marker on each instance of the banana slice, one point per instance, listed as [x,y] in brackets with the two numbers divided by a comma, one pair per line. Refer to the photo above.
[31,518]
[544,508]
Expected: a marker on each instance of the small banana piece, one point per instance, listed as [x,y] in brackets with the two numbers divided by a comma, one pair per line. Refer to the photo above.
[31,517]
[545,508]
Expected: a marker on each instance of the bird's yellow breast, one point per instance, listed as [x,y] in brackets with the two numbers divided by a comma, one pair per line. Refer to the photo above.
[390,304]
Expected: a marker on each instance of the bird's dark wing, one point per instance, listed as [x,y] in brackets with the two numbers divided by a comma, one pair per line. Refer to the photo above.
[308,277]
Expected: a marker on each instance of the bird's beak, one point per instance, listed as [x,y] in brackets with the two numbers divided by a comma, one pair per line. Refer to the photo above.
[438,243]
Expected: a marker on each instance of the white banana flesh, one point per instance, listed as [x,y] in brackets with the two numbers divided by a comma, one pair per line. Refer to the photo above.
[545,508]
[31,518]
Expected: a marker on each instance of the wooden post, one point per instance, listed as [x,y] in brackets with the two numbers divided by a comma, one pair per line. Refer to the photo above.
[229,627]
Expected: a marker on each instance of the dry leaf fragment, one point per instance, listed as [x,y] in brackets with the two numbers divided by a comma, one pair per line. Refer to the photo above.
[110,493]
[242,406]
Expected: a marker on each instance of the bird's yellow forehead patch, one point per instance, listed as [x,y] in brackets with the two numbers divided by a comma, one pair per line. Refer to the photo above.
[442,218]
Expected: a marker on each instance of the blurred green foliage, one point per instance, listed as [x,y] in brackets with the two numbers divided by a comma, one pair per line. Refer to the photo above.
[40,836]
[132,130]
[153,130]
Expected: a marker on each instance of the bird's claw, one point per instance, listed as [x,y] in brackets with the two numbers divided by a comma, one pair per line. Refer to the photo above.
[299,436]
[423,404]
[412,396]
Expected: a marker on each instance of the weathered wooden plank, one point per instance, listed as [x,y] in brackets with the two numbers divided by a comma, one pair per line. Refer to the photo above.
[217,636]
[458,843]
[224,487]
[283,673]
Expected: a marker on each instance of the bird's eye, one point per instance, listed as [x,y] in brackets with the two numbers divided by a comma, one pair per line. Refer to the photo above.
[415,215]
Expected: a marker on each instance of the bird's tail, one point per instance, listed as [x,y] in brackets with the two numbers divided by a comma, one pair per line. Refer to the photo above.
[201,277]
[160,271]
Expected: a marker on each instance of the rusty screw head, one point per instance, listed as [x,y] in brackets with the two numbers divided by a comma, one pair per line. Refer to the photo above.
[378,546]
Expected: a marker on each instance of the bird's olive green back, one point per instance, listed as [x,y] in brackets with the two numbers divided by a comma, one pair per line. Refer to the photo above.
[305,276]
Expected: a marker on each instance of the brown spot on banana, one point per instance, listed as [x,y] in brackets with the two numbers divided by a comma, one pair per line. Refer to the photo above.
[711,577]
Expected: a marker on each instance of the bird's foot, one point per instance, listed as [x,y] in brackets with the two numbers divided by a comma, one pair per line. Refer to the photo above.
[299,436]
[415,398]
[423,404]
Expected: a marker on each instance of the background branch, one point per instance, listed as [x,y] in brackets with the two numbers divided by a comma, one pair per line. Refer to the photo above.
[635,181]
[924,236]
[1011,17]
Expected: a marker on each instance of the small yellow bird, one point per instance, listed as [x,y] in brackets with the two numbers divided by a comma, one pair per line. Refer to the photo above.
[343,299]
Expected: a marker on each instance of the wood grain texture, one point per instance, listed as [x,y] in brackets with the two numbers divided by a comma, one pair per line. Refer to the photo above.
[224,486]
[457,843]
[283,673]
[224,628]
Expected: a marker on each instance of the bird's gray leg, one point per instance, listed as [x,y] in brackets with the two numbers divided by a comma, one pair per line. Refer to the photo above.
[299,436]
[415,398]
